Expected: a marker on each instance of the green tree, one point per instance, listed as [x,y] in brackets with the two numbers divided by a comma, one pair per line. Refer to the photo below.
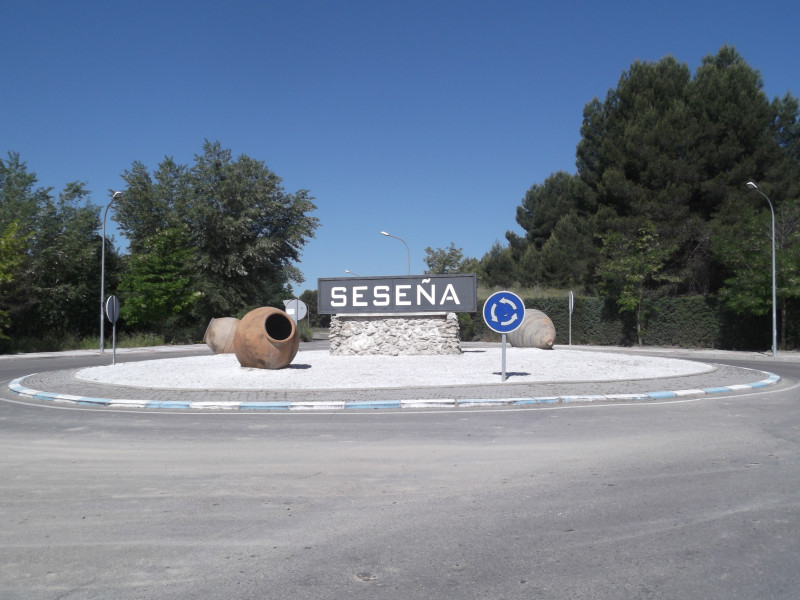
[637,156]
[157,289]
[12,254]
[244,230]
[66,264]
[633,267]
[444,260]
[53,293]
[746,246]
[545,205]
[497,267]
[152,204]
[667,148]
[569,256]
[560,203]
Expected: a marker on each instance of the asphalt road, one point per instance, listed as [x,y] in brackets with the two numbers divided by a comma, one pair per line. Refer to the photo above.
[684,499]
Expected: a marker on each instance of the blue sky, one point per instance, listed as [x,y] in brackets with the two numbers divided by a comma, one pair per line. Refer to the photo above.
[427,119]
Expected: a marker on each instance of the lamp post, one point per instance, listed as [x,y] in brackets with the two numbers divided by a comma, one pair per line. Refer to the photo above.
[348,271]
[404,242]
[753,186]
[114,196]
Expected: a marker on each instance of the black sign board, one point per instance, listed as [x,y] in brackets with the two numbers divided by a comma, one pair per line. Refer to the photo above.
[402,294]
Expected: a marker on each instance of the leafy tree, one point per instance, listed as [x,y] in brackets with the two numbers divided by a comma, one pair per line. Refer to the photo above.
[546,204]
[444,260]
[157,288]
[244,231]
[570,254]
[66,252]
[19,198]
[746,246]
[560,204]
[12,254]
[53,293]
[633,267]
[636,155]
[667,148]
[497,267]
[151,204]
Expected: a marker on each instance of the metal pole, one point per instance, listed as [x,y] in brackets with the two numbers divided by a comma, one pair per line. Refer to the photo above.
[753,186]
[103,272]
[504,357]
[571,306]
[774,288]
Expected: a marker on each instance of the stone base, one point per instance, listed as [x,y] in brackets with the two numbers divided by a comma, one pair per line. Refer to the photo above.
[394,335]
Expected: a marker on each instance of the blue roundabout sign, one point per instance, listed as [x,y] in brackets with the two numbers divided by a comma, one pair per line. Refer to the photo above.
[503,312]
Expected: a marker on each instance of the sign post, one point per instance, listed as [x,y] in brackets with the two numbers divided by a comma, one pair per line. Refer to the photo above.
[503,312]
[112,312]
[571,308]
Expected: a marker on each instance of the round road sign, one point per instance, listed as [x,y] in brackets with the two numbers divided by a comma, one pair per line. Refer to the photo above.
[112,309]
[296,309]
[503,312]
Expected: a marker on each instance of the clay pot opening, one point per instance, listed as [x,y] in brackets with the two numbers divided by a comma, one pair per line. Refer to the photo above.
[278,327]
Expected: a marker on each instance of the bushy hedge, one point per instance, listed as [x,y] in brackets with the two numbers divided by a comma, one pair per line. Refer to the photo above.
[687,322]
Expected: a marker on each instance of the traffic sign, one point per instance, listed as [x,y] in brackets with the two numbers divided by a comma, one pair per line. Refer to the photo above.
[112,309]
[296,309]
[503,312]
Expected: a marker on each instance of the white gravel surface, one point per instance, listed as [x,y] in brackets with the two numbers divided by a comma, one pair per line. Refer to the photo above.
[317,369]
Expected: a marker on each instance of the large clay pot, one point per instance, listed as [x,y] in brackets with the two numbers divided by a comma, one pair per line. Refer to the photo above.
[266,338]
[536,331]
[220,333]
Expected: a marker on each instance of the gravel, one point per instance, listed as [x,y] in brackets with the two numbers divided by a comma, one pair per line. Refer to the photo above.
[318,370]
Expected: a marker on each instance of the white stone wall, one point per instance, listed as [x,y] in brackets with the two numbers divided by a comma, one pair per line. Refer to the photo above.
[396,334]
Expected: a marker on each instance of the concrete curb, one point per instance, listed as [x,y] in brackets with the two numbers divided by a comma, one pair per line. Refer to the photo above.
[17,387]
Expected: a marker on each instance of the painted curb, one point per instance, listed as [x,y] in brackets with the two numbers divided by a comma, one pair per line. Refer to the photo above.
[17,387]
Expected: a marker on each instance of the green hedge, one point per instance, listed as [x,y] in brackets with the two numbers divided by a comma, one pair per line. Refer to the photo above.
[687,322]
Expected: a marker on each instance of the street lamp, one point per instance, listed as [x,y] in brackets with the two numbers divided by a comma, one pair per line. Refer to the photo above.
[753,186]
[351,273]
[114,196]
[404,242]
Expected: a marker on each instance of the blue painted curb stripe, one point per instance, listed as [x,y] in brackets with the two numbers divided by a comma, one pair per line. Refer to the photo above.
[316,405]
[532,401]
[364,404]
[264,405]
[660,395]
[168,404]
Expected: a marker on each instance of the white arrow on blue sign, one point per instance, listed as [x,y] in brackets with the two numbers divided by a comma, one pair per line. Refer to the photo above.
[503,312]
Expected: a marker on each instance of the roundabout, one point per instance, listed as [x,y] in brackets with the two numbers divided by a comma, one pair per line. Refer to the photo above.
[318,381]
